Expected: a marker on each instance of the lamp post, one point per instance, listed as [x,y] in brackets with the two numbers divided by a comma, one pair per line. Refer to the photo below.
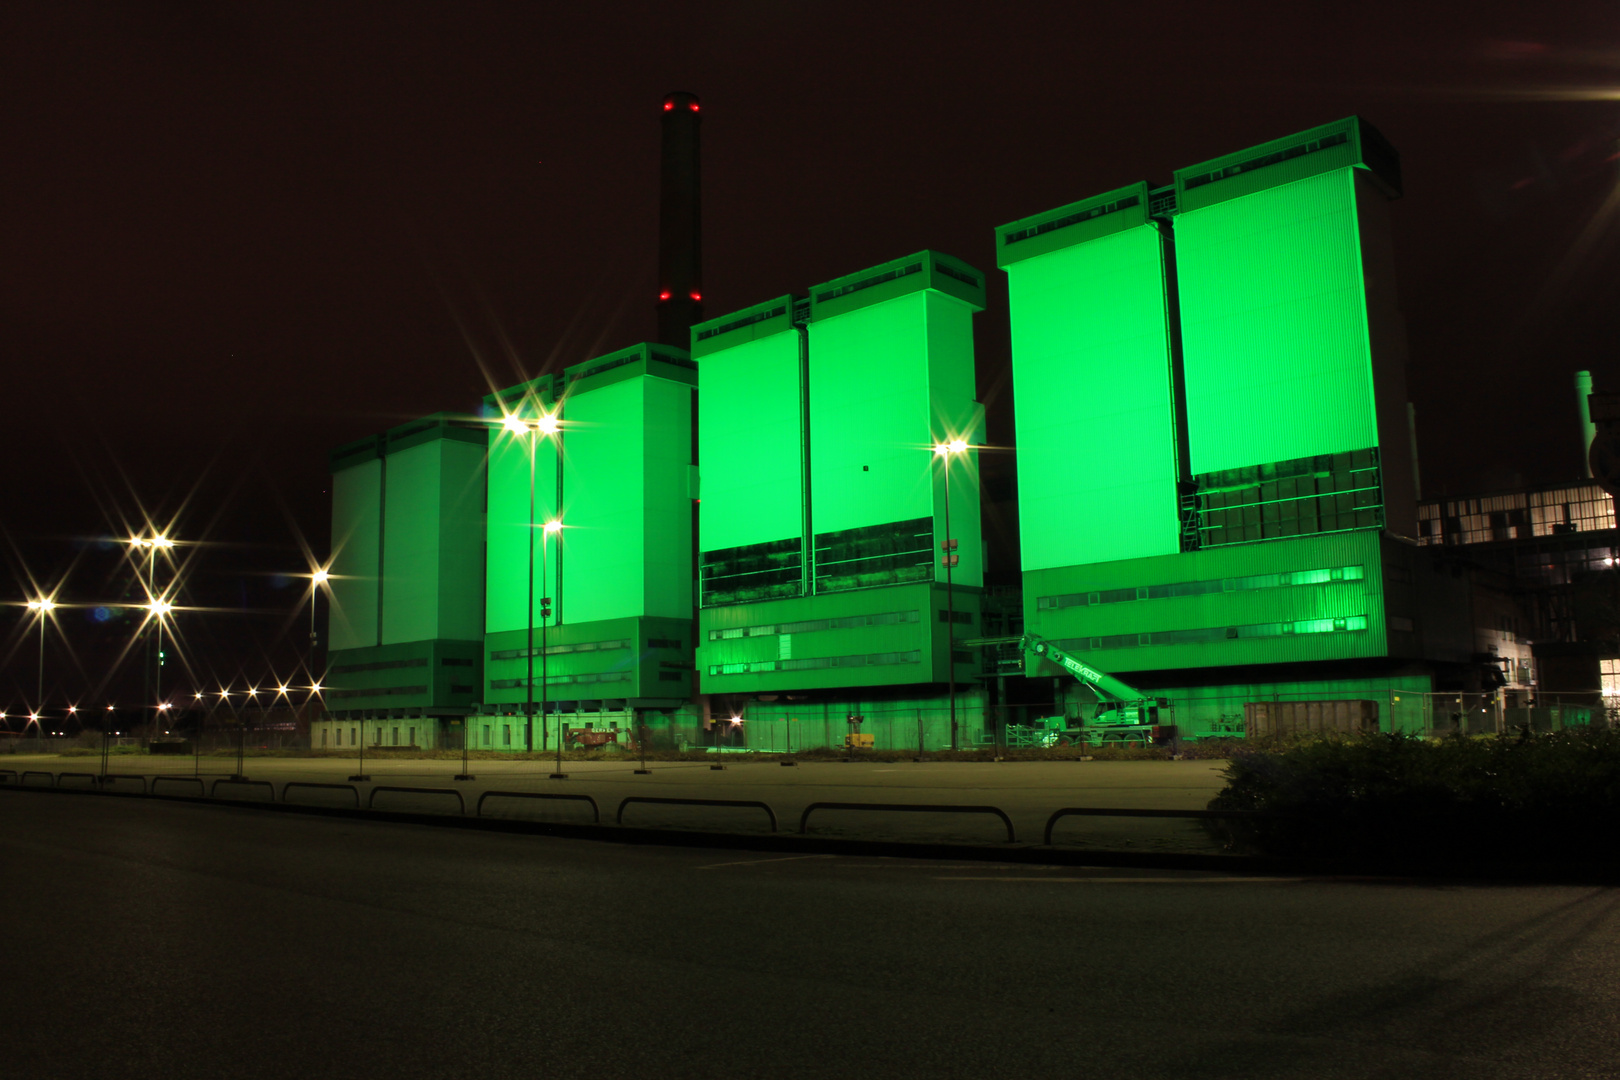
[546,424]
[550,529]
[945,451]
[154,602]
[42,607]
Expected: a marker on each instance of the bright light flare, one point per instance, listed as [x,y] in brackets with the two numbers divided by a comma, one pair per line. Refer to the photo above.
[553,527]
[321,577]
[41,604]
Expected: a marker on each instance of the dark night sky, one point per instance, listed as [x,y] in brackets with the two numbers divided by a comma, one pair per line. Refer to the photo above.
[236,235]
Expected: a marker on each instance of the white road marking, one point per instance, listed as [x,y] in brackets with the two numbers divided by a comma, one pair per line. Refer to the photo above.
[1141,880]
[756,862]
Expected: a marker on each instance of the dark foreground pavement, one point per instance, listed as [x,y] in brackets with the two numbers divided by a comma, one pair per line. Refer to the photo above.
[160,939]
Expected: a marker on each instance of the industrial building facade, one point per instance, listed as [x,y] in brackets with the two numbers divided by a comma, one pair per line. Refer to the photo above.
[773,536]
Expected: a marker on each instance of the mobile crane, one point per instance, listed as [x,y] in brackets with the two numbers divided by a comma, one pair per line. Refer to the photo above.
[1123,713]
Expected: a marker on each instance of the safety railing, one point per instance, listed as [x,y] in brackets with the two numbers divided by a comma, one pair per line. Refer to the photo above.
[213,791]
[11,773]
[618,818]
[350,788]
[1110,811]
[112,778]
[90,776]
[915,808]
[596,813]
[50,778]
[371,800]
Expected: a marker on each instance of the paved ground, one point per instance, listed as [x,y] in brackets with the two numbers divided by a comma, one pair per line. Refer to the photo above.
[166,939]
[1027,791]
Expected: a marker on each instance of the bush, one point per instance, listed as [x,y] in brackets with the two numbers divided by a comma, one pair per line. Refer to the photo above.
[1392,797]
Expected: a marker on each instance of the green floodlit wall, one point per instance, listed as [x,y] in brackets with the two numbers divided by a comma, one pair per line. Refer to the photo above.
[750,435]
[510,535]
[356,525]
[433,541]
[1226,590]
[891,375]
[627,477]
[1274,326]
[609,659]
[1092,379]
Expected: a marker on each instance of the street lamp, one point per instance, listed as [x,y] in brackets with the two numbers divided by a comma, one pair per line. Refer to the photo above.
[945,451]
[42,607]
[545,424]
[550,529]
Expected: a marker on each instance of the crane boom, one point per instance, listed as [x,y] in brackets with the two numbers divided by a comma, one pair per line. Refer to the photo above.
[1107,686]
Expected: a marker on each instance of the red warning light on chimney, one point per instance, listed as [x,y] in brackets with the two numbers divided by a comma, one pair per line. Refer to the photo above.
[697,296]
[664,295]
[693,106]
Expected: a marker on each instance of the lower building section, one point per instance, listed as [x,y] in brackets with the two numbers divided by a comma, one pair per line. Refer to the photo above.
[643,661]
[894,635]
[417,678]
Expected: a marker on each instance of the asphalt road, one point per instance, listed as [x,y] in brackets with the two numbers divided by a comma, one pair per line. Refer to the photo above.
[151,938]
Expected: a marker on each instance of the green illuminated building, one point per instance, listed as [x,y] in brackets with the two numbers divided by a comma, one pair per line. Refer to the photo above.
[407,562]
[824,505]
[1213,452]
[604,453]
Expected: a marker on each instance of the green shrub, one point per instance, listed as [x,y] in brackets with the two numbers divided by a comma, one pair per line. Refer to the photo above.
[1401,798]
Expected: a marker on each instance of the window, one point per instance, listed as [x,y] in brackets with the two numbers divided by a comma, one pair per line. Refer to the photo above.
[1609,672]
[353,741]
[506,734]
[323,736]
[396,736]
[412,740]
[486,735]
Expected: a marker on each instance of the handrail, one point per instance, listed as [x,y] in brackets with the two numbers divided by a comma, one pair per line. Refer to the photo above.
[37,772]
[109,778]
[213,792]
[1114,811]
[596,812]
[939,808]
[371,800]
[310,783]
[201,790]
[9,772]
[90,776]
[618,818]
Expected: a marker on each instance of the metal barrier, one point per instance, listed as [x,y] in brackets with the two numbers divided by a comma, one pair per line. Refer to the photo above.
[113,778]
[372,799]
[929,808]
[350,788]
[618,818]
[156,780]
[11,773]
[213,792]
[596,813]
[90,776]
[1101,811]
[36,772]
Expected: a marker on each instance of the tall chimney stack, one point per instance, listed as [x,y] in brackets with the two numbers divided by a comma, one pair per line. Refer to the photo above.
[680,223]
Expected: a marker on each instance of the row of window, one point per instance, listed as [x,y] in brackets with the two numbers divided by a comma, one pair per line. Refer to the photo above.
[379,736]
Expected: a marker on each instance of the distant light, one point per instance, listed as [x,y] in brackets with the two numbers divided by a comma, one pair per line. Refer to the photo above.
[73,710]
[160,607]
[697,296]
[109,708]
[317,688]
[553,526]
[281,689]
[693,106]
[198,695]
[956,446]
[515,424]
[547,425]
[162,541]
[33,716]
[668,106]
[162,706]
[41,604]
[320,576]
[664,295]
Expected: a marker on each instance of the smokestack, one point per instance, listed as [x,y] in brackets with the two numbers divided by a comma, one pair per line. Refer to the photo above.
[1583,389]
[680,223]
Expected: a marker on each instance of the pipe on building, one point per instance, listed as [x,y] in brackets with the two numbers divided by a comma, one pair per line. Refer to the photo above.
[1583,388]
